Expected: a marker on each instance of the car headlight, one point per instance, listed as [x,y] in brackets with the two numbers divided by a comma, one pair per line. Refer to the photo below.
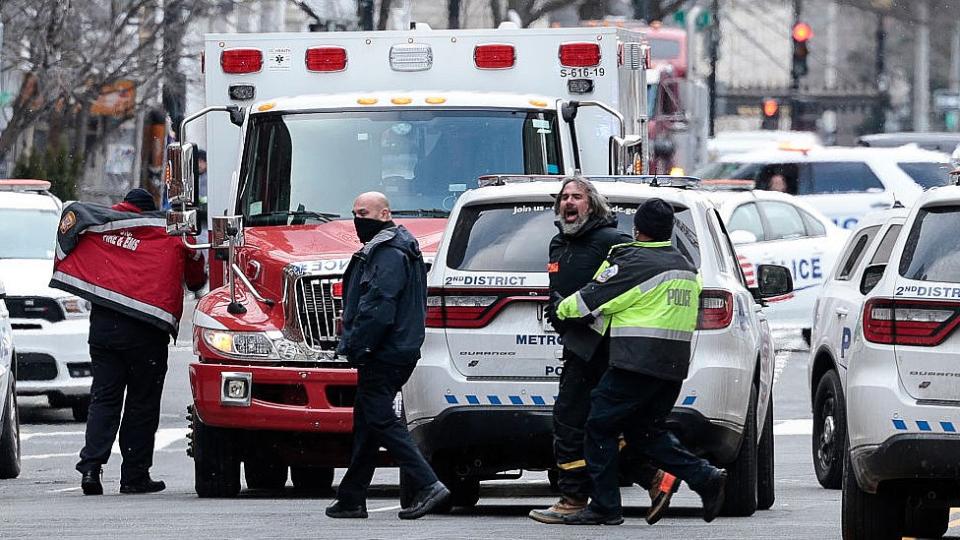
[74,307]
[250,344]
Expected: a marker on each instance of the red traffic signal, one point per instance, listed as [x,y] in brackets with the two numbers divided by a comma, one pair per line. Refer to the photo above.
[770,107]
[802,32]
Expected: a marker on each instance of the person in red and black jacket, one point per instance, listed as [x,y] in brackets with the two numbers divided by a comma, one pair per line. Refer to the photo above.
[122,261]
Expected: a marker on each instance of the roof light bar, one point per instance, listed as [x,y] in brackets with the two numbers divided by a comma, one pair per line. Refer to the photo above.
[411,57]
[23,184]
[682,182]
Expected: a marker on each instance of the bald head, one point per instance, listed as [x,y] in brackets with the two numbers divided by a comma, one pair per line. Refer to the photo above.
[372,205]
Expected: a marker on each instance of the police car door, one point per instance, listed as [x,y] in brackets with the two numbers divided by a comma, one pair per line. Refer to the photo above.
[840,301]
[927,295]
[843,190]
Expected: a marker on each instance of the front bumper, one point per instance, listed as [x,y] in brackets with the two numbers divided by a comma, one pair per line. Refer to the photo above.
[490,438]
[317,400]
[61,346]
[907,457]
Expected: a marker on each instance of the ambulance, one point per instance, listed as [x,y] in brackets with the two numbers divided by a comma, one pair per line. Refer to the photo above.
[297,125]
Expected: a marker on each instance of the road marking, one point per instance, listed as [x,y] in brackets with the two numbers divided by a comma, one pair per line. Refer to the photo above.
[28,436]
[164,438]
[800,426]
[387,509]
[48,456]
[780,361]
[64,490]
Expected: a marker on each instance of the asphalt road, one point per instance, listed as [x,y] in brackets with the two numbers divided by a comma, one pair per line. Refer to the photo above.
[46,502]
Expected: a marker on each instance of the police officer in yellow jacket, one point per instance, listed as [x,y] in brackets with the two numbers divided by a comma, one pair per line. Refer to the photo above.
[647,295]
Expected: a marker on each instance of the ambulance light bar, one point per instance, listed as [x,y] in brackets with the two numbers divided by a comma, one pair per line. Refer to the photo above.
[24,185]
[411,57]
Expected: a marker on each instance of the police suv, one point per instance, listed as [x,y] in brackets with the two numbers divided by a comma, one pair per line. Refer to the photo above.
[480,401]
[769,227]
[9,415]
[885,371]
[50,326]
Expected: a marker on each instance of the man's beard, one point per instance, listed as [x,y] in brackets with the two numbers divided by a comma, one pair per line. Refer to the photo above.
[573,228]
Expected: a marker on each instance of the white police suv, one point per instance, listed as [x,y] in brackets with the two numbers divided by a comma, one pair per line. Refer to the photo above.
[50,326]
[9,414]
[891,333]
[769,227]
[843,183]
[480,401]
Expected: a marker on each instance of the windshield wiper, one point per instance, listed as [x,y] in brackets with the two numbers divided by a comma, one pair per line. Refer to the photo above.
[322,217]
[422,212]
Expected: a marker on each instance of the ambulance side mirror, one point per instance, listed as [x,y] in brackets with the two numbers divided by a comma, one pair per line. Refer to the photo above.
[626,155]
[871,276]
[180,173]
[224,228]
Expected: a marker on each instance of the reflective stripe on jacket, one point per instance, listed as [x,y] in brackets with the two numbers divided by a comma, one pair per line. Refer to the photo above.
[648,295]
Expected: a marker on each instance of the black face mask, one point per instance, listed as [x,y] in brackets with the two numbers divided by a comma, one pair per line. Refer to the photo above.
[367,228]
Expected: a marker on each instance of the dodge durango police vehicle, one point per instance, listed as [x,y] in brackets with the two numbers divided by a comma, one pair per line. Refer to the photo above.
[479,402]
[9,414]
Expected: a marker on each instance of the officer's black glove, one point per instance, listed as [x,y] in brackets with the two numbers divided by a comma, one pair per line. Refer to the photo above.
[550,313]
[359,359]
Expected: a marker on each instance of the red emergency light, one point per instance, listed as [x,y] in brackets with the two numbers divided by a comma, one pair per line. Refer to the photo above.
[494,56]
[802,32]
[326,59]
[337,289]
[579,54]
[238,61]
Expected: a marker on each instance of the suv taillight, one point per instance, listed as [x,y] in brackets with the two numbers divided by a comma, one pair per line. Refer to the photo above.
[716,309]
[909,322]
[473,308]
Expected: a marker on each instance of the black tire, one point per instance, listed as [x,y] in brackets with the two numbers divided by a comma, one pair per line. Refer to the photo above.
[80,408]
[312,480]
[215,464]
[262,473]
[10,434]
[464,490]
[926,522]
[806,333]
[766,479]
[741,490]
[867,516]
[829,431]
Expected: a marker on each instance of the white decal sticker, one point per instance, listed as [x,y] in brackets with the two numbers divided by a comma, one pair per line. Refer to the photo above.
[256,208]
[541,124]
[279,59]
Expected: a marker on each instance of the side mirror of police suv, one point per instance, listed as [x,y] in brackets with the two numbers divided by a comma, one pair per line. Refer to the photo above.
[772,280]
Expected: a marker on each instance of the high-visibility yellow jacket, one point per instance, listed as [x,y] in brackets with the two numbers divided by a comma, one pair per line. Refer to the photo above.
[647,295]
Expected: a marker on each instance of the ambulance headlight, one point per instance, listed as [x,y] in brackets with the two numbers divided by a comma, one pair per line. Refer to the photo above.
[235,388]
[246,344]
[74,307]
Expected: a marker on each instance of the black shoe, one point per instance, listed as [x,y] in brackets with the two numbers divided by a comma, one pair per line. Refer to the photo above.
[712,495]
[589,516]
[90,483]
[147,485]
[425,501]
[340,510]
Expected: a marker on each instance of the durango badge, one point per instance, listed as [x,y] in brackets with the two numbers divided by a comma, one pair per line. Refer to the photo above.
[67,222]
[608,273]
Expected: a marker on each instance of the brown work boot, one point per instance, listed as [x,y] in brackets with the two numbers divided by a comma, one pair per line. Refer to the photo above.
[662,490]
[564,507]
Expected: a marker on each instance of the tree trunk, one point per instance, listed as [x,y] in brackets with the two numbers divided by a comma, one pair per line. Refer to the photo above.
[453,14]
[384,15]
[496,12]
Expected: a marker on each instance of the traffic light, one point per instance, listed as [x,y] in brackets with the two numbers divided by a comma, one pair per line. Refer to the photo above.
[771,114]
[801,35]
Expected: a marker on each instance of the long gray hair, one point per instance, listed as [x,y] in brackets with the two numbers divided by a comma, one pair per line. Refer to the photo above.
[597,202]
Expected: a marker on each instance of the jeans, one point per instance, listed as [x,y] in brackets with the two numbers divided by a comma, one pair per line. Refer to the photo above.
[375,424]
[139,371]
[635,405]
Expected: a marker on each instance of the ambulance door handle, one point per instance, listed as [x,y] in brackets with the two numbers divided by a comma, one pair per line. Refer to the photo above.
[842,312]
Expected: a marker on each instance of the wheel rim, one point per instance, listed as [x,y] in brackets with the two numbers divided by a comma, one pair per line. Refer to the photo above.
[826,447]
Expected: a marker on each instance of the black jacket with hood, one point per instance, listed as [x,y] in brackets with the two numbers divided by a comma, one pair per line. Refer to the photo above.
[574,260]
[385,300]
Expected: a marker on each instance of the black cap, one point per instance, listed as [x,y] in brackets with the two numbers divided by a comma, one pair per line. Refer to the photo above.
[654,218]
[142,199]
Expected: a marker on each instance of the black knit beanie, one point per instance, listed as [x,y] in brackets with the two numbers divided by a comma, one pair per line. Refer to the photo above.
[654,218]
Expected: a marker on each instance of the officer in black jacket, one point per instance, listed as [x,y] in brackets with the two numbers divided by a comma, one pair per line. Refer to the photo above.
[587,231]
[384,315]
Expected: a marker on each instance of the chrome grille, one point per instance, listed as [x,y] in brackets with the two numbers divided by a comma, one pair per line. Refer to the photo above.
[319,312]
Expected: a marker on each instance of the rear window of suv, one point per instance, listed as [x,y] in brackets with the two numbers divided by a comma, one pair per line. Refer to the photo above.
[515,237]
[927,174]
[932,250]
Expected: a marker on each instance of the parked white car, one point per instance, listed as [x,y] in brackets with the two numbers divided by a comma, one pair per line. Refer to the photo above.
[50,326]
[9,414]
[888,322]
[769,227]
[480,400]
[843,183]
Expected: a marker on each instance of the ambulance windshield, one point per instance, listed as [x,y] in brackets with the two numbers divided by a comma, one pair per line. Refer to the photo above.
[302,167]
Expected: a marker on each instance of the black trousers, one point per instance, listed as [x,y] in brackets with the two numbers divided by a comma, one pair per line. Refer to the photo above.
[570,411]
[636,406]
[138,371]
[375,425]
